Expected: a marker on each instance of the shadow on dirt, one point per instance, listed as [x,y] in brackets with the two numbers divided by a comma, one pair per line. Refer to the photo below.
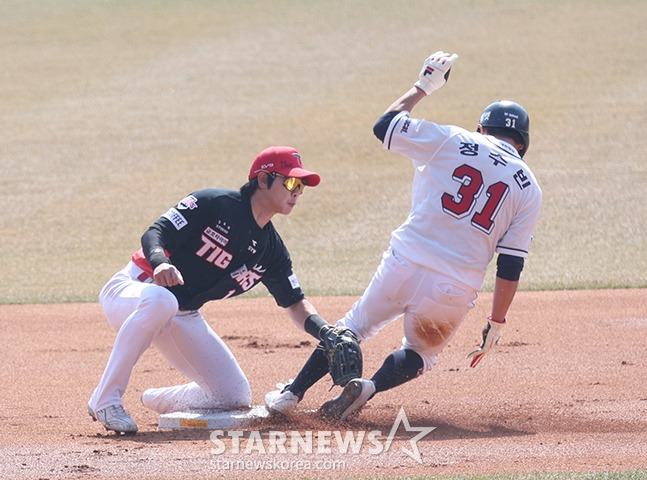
[310,424]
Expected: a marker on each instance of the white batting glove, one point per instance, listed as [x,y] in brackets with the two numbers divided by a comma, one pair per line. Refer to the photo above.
[435,71]
[491,335]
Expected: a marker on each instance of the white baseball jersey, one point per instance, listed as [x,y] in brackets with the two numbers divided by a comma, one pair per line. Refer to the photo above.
[472,196]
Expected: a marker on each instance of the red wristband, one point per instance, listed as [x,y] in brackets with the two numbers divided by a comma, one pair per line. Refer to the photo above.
[490,319]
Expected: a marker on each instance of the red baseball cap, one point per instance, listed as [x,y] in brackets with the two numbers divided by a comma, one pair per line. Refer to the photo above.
[284,161]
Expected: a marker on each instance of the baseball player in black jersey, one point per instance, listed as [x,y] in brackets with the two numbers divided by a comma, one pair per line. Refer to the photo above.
[212,245]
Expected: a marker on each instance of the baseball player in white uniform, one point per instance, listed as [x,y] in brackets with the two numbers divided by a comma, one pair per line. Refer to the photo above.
[472,196]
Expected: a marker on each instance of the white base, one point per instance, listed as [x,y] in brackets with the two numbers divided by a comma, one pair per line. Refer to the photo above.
[213,419]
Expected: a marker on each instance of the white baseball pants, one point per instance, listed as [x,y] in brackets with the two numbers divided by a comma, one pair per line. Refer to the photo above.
[143,314]
[433,305]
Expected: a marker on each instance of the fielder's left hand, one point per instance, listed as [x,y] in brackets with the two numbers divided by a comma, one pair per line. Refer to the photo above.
[341,346]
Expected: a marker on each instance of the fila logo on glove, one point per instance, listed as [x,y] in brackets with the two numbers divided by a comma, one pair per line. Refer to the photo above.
[429,71]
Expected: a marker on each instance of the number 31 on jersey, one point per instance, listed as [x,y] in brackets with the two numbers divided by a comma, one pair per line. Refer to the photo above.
[471,187]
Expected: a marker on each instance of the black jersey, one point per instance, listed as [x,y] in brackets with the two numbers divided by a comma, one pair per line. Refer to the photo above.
[212,238]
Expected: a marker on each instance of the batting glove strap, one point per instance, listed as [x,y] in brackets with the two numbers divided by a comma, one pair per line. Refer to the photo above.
[435,71]
[491,335]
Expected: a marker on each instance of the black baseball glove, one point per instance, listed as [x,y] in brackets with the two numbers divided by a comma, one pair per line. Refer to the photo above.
[344,355]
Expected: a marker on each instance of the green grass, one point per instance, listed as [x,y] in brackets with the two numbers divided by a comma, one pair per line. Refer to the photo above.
[633,475]
[112,111]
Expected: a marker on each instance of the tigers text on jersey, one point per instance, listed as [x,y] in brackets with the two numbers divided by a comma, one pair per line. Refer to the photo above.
[212,238]
[472,196]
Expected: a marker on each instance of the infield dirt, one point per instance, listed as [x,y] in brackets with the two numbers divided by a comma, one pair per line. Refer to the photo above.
[564,391]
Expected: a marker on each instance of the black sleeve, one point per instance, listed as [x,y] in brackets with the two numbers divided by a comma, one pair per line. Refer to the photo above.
[508,267]
[279,278]
[177,225]
[153,244]
[382,125]
[285,293]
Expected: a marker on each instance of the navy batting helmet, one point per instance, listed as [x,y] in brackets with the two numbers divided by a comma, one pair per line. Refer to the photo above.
[508,115]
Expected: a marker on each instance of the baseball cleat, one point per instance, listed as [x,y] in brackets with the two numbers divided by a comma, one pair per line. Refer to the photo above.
[281,400]
[352,398]
[114,418]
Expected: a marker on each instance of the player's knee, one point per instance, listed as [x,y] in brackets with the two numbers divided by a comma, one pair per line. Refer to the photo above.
[160,300]
[244,400]
[429,355]
[158,305]
[429,360]
[238,396]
